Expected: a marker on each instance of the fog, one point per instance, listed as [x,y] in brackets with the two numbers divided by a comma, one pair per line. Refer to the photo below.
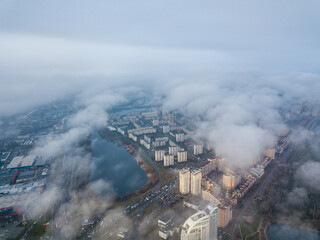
[231,67]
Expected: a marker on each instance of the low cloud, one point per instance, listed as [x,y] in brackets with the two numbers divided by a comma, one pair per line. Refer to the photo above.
[308,173]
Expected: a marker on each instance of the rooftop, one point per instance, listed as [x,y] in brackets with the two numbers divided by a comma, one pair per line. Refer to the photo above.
[21,161]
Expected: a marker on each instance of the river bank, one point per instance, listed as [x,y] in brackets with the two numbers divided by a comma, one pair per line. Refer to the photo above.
[267,222]
[149,170]
[134,151]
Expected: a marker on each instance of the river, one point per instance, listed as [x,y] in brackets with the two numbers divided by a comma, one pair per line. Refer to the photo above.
[287,232]
[115,165]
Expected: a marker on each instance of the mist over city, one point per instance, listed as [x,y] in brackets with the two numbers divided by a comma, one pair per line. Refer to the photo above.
[159,120]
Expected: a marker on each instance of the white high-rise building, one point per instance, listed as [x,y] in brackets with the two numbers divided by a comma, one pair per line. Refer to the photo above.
[168,160]
[196,182]
[184,181]
[198,149]
[179,137]
[173,150]
[202,225]
[159,155]
[166,129]
[182,156]
[155,122]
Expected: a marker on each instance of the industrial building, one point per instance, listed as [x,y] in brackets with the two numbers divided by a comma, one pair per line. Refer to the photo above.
[202,225]
[26,176]
[15,198]
[22,161]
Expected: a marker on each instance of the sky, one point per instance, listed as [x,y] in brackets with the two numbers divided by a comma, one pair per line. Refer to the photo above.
[231,66]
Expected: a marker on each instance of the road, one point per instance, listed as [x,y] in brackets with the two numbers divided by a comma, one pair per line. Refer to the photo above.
[147,157]
[138,212]
[260,189]
[287,153]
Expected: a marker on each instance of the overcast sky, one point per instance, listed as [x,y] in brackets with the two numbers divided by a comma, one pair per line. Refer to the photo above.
[72,42]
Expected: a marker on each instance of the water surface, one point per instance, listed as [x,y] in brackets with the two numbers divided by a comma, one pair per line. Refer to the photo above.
[114,164]
[287,232]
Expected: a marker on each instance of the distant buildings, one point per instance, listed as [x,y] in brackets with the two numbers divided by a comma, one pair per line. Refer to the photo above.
[264,163]
[225,214]
[159,155]
[180,137]
[230,180]
[258,172]
[142,130]
[208,166]
[123,232]
[156,144]
[297,109]
[270,153]
[144,143]
[184,181]
[168,160]
[250,180]
[182,156]
[212,197]
[190,182]
[173,150]
[202,225]
[133,137]
[211,185]
[198,149]
[165,129]
[155,122]
[169,225]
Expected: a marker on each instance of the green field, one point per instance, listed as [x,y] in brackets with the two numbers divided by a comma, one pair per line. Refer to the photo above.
[248,229]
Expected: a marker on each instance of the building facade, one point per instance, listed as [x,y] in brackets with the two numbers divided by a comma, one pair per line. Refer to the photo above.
[168,160]
[159,155]
[202,225]
[182,156]
[198,149]
[196,177]
[184,181]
